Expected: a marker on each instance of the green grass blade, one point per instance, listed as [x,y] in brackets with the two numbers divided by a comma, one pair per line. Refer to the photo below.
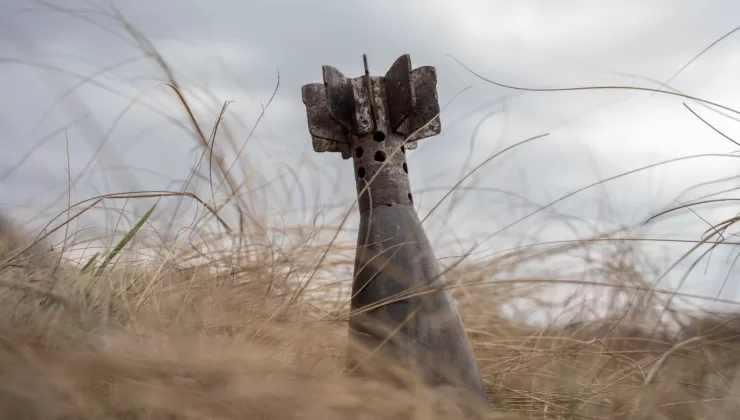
[48,303]
[125,240]
[90,262]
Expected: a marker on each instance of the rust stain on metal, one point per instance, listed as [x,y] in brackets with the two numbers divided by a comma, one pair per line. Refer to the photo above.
[426,109]
[342,107]
[363,115]
[327,134]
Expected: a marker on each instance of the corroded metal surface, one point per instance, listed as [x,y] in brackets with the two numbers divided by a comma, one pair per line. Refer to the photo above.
[340,106]
[382,161]
[434,338]
[374,121]
[327,134]
[340,97]
[426,108]
[400,90]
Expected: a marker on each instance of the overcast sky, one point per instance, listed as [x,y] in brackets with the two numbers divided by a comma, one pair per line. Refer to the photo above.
[235,49]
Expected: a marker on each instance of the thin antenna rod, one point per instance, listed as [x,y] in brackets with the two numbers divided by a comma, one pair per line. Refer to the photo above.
[369,86]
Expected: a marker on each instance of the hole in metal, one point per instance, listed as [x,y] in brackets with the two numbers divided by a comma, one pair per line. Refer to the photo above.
[405,168]
[358,152]
[380,156]
[378,136]
[361,172]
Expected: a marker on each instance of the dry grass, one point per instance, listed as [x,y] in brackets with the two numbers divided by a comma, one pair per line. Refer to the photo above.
[153,340]
[216,323]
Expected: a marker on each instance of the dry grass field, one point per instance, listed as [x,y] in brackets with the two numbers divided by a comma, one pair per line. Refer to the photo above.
[151,340]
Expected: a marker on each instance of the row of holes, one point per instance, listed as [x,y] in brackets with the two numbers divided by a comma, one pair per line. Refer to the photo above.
[379,136]
[379,156]
[361,171]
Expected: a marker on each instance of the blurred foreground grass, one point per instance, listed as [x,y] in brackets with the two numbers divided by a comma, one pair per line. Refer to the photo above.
[155,339]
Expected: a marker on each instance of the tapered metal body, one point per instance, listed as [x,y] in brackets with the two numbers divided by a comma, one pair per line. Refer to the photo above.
[399,305]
